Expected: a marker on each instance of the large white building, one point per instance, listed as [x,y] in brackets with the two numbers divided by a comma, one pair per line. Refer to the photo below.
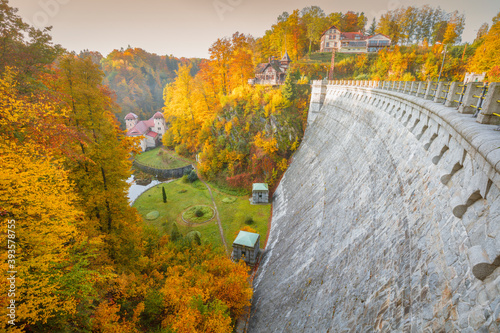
[352,42]
[150,130]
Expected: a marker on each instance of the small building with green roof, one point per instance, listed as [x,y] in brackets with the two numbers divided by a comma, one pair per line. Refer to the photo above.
[260,193]
[246,246]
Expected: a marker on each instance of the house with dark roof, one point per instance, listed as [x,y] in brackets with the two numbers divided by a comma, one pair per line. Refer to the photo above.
[150,131]
[352,42]
[272,72]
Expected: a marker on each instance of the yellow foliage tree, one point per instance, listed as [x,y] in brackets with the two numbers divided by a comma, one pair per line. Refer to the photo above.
[36,193]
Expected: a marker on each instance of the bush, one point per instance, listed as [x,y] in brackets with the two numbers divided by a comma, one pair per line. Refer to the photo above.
[192,177]
[153,215]
[181,150]
[229,200]
[199,213]
[185,179]
[194,236]
[175,234]
[249,220]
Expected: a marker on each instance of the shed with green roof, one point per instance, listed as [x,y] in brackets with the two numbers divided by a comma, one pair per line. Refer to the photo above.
[260,193]
[246,246]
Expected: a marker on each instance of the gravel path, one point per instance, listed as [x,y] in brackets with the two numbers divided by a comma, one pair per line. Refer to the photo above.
[217,216]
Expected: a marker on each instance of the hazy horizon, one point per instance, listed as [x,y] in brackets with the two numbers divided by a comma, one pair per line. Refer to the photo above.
[188,28]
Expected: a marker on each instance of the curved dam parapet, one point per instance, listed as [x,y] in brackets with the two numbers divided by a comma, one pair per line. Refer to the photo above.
[388,219]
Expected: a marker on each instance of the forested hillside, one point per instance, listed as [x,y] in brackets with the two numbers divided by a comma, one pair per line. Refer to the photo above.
[242,133]
[80,259]
[138,78]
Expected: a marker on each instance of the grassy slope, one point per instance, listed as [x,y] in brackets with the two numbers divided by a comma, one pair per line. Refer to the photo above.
[232,215]
[168,159]
[325,57]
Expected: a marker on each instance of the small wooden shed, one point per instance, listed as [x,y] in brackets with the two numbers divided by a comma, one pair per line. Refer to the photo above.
[246,246]
[260,193]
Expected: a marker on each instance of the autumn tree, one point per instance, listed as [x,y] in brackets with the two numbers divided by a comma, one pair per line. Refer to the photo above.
[409,25]
[486,57]
[220,53]
[454,28]
[102,166]
[24,47]
[241,67]
[53,277]
[482,31]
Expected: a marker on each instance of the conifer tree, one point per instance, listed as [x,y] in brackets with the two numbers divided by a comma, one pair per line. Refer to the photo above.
[164,194]
[289,90]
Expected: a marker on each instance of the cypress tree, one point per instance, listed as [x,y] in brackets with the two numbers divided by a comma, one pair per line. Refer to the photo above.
[164,194]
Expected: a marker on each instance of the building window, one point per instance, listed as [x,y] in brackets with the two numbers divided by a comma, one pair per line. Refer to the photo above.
[159,129]
[327,44]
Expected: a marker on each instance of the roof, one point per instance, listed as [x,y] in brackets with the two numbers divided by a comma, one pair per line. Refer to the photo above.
[286,57]
[379,34]
[329,29]
[152,134]
[141,127]
[246,238]
[260,187]
[261,67]
[352,35]
[158,115]
[131,116]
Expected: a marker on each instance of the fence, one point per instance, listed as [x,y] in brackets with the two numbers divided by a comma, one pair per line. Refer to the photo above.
[163,173]
[480,99]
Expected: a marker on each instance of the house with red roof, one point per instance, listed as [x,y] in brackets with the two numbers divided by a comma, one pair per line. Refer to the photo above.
[352,42]
[150,131]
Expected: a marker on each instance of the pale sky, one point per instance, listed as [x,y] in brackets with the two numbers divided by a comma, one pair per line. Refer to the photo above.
[187,28]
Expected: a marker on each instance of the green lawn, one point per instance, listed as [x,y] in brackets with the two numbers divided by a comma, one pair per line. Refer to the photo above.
[181,196]
[162,159]
[177,202]
[233,216]
[324,57]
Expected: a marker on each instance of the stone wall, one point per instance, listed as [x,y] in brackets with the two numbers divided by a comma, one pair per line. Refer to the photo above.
[388,219]
[163,173]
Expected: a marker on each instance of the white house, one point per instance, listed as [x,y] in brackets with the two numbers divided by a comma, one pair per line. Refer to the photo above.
[352,42]
[150,131]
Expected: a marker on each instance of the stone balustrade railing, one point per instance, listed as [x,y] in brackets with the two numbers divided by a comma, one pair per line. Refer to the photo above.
[481,99]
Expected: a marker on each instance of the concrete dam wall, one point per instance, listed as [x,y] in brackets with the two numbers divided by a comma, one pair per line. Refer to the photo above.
[388,219]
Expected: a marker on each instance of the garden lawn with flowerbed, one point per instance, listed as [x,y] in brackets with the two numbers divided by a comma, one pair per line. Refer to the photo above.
[235,211]
[180,197]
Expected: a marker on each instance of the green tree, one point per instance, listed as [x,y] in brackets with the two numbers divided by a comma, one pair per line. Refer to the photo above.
[373,27]
[313,19]
[164,194]
[288,89]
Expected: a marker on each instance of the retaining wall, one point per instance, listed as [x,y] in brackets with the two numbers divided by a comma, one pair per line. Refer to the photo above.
[388,219]
[163,173]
